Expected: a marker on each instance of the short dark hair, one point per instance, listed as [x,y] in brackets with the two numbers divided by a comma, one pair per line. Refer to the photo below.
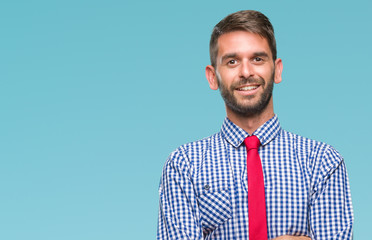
[246,20]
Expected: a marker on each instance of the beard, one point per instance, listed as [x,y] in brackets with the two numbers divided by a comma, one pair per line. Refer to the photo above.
[247,109]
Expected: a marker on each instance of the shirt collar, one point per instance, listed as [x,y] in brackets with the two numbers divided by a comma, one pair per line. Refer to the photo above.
[236,135]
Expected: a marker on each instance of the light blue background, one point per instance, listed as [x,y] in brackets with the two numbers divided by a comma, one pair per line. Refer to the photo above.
[94,95]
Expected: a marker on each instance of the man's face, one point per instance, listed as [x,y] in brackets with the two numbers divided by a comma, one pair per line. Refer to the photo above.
[245,72]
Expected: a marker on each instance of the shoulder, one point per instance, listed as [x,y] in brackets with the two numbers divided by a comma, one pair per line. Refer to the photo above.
[316,153]
[192,153]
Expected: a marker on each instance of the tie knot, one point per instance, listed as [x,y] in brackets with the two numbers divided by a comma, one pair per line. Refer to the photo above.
[252,142]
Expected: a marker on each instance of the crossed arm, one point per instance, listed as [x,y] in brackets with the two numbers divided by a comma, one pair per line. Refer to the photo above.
[286,237]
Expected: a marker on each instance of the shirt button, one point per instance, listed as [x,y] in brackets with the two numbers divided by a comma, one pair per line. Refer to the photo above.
[207,187]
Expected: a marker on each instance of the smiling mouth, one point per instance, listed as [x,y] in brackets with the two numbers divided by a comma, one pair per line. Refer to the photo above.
[248,88]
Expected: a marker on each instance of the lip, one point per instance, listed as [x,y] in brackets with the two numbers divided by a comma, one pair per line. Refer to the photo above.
[248,92]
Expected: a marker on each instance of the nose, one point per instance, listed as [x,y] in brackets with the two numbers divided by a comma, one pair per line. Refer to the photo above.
[246,69]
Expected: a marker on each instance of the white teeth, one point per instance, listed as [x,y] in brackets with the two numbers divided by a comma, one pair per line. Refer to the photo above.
[248,88]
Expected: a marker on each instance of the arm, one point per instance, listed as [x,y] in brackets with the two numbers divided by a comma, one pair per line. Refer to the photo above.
[331,212]
[286,237]
[178,213]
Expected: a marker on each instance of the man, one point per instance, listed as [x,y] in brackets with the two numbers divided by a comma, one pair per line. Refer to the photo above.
[252,180]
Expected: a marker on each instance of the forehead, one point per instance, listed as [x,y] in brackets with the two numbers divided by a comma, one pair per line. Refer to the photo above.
[243,43]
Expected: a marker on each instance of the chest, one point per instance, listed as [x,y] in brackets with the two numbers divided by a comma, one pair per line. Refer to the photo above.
[221,186]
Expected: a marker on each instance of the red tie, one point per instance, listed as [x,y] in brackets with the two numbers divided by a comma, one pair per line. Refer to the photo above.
[256,191]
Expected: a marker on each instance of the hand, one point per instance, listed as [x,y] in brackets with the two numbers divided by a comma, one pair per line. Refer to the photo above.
[287,237]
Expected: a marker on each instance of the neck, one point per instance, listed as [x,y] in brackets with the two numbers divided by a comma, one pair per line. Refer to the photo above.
[252,122]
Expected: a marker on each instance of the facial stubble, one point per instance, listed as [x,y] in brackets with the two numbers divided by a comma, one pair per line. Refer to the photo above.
[247,109]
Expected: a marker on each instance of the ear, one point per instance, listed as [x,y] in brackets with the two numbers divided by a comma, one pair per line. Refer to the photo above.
[278,70]
[210,73]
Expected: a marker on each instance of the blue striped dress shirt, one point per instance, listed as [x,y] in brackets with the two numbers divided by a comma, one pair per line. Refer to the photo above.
[203,188]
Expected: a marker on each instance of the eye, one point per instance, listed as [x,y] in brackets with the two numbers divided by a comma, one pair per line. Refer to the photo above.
[231,62]
[258,59]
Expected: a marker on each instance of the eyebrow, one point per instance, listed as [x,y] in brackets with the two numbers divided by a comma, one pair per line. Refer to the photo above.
[234,55]
[227,56]
[261,54]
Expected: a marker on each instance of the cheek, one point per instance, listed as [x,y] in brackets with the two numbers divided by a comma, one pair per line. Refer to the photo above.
[228,75]
[265,72]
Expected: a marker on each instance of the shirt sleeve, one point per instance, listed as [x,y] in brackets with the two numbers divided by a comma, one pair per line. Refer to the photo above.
[178,208]
[331,211]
